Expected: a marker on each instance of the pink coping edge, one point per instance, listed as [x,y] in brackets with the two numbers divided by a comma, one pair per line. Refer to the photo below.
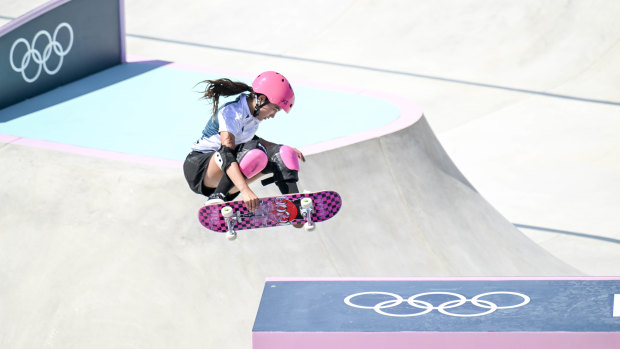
[66,148]
[411,115]
[121,7]
[439,340]
[12,25]
[456,278]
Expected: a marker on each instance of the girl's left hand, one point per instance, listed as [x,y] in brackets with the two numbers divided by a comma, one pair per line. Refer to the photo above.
[300,155]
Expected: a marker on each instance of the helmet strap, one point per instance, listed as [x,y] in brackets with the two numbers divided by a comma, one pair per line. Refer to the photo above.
[257,107]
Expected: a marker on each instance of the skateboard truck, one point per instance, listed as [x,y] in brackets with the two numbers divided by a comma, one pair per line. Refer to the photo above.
[231,221]
[306,212]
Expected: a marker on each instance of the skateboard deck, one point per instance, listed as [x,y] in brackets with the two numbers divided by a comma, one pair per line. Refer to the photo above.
[272,211]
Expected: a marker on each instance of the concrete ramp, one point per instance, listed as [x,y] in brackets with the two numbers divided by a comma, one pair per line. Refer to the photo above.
[408,210]
[105,253]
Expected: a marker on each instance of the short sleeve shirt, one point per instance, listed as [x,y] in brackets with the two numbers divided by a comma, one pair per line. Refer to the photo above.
[234,117]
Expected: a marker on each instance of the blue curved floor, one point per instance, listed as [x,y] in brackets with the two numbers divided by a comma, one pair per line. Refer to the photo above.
[154,109]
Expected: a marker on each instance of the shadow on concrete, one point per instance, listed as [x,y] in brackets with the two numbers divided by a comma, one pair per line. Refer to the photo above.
[572,233]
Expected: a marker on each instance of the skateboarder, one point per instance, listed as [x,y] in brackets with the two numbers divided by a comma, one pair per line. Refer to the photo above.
[229,155]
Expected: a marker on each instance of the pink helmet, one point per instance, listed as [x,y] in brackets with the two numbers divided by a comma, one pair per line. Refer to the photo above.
[276,88]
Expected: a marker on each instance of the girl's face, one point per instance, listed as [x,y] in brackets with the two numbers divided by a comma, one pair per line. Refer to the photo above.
[269,111]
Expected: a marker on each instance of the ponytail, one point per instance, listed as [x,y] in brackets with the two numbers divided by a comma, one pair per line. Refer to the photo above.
[223,87]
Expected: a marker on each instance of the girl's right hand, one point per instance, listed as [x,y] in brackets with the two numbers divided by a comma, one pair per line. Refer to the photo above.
[250,199]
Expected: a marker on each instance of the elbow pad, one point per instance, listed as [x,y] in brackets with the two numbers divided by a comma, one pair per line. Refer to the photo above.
[224,157]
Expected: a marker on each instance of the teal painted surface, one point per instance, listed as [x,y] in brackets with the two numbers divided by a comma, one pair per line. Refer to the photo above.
[156,110]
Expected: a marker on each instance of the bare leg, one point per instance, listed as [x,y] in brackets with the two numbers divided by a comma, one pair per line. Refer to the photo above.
[213,174]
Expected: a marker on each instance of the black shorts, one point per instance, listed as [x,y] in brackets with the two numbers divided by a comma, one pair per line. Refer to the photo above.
[194,168]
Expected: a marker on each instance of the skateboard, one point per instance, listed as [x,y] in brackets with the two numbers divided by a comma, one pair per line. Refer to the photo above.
[289,209]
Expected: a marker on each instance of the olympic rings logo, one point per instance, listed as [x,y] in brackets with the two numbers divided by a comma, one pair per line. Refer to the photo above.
[32,54]
[486,306]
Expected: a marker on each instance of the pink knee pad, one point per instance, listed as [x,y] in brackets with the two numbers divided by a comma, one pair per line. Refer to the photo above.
[289,157]
[253,162]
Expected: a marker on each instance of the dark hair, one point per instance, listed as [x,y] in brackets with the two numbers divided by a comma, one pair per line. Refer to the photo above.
[223,87]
